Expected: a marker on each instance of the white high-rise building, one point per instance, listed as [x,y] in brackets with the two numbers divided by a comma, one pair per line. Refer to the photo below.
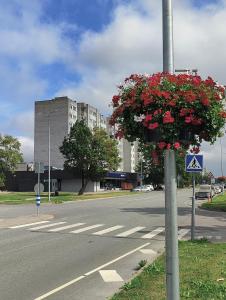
[127,151]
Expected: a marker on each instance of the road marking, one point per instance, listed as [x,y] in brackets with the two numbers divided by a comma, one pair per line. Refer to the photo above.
[59,288]
[153,233]
[46,226]
[148,251]
[89,273]
[129,232]
[30,224]
[110,276]
[86,228]
[65,227]
[110,229]
[182,233]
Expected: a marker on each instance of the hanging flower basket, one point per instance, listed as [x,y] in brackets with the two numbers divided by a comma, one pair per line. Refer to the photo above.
[171,111]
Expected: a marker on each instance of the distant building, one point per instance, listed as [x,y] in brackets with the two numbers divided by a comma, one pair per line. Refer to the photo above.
[127,151]
[56,117]
[91,116]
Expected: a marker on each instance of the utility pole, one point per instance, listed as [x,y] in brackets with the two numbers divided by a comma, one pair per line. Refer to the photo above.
[49,163]
[171,230]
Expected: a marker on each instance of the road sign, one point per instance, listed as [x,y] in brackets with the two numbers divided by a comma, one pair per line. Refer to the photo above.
[41,188]
[194,163]
[39,167]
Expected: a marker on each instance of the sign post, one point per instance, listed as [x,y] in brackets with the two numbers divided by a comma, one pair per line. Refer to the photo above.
[39,168]
[194,164]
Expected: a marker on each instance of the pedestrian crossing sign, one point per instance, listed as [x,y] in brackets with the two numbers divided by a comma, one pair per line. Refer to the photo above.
[194,163]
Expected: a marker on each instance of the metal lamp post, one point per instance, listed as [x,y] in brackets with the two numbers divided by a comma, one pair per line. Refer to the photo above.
[172,260]
[49,149]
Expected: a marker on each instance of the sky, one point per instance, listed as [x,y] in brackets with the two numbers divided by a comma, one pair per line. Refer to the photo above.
[84,49]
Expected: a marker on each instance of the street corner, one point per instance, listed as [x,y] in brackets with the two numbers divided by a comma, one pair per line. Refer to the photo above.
[22,220]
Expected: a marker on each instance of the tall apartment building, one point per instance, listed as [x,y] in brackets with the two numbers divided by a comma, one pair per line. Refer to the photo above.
[53,118]
[56,117]
[127,151]
[91,116]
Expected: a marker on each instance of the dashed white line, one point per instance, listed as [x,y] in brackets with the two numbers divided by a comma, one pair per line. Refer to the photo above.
[89,273]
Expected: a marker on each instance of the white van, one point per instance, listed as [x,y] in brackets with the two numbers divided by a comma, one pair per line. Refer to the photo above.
[205,191]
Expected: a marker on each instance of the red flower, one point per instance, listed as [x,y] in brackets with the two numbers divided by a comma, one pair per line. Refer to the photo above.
[119,134]
[176,145]
[195,150]
[223,114]
[188,119]
[172,103]
[190,96]
[153,125]
[168,118]
[196,121]
[205,101]
[168,146]
[161,145]
[148,118]
[115,100]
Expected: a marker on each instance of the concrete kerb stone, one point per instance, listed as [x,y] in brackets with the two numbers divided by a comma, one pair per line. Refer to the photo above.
[22,220]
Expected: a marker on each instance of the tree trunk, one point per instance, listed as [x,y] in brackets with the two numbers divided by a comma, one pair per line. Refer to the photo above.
[84,184]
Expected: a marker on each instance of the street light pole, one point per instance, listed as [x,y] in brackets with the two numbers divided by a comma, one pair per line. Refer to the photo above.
[171,230]
[49,178]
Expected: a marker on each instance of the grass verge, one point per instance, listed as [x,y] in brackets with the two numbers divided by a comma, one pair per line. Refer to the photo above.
[29,197]
[218,203]
[202,275]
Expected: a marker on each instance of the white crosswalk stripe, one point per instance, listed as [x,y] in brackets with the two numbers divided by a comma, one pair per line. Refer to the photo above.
[182,233]
[129,232]
[86,228]
[66,227]
[46,226]
[153,233]
[27,225]
[110,229]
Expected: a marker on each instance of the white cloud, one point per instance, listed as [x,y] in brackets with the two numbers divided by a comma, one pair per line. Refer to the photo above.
[27,148]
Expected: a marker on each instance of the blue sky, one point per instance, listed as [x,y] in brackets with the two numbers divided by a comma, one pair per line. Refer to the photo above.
[84,49]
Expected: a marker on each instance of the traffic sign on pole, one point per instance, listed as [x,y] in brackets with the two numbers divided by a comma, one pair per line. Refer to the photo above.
[194,163]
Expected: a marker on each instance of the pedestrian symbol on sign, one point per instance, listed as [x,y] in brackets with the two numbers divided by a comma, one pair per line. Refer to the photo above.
[194,163]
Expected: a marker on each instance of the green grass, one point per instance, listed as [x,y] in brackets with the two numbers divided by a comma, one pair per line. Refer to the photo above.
[29,197]
[202,264]
[218,203]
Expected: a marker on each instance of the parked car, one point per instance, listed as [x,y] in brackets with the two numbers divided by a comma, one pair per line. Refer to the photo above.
[143,188]
[150,186]
[205,191]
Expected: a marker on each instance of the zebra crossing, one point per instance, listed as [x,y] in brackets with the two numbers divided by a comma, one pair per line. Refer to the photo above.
[119,231]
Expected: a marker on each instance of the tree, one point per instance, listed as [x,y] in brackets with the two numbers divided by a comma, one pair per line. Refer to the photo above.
[10,155]
[90,153]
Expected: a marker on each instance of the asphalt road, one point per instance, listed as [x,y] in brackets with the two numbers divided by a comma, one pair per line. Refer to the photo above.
[88,250]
